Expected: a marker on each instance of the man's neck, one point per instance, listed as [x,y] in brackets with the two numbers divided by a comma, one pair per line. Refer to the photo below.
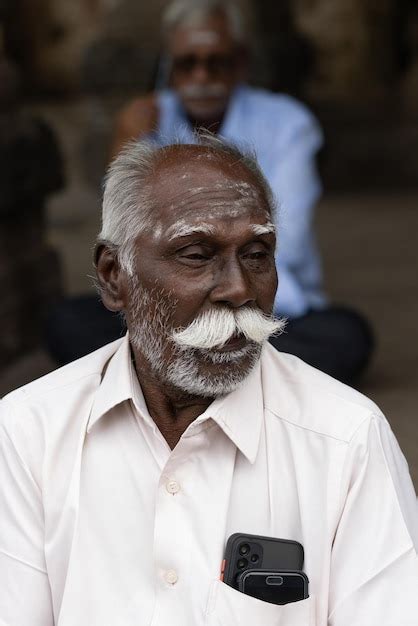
[171,410]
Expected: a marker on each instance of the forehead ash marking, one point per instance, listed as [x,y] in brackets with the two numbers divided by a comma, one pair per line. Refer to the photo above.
[157,230]
[207,156]
[215,192]
[222,200]
[183,228]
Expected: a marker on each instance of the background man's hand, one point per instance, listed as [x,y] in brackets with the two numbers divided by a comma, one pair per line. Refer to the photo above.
[136,119]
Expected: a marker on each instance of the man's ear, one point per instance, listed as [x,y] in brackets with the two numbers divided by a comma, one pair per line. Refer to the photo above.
[111,278]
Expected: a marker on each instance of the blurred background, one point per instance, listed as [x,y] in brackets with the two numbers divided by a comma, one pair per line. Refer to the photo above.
[68,65]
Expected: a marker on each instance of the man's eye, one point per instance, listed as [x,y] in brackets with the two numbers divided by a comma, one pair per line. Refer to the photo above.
[257,255]
[195,256]
[258,258]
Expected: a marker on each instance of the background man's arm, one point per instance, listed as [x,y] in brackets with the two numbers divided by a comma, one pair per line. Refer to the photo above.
[374,571]
[25,595]
[139,117]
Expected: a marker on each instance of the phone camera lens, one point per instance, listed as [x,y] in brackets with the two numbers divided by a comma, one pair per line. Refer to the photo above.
[242,563]
[254,558]
[244,549]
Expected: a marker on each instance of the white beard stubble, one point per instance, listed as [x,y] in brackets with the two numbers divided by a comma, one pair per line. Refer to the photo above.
[192,346]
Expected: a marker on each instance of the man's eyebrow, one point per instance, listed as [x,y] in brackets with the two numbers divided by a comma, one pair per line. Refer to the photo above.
[263,229]
[184,230]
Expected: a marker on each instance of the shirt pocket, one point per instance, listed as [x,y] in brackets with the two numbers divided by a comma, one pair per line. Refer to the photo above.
[228,607]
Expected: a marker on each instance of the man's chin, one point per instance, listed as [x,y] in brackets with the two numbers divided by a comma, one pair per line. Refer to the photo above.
[212,373]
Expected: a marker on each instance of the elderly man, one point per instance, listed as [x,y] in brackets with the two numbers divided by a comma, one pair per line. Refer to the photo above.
[204,60]
[124,473]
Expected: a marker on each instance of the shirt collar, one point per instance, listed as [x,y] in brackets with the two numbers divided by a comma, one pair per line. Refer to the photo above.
[115,386]
[239,414]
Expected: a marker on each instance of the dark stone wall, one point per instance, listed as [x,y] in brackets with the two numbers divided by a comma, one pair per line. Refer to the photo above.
[355,62]
[30,276]
[327,49]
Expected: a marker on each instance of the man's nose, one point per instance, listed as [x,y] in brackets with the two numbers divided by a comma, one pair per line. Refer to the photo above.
[200,74]
[233,286]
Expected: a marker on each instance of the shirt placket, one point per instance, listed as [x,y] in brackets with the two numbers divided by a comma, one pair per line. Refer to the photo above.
[190,516]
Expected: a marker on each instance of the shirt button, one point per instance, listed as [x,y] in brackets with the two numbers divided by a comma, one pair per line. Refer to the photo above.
[172,487]
[171,577]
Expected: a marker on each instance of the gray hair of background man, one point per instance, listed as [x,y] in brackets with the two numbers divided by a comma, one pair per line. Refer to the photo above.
[128,203]
[193,12]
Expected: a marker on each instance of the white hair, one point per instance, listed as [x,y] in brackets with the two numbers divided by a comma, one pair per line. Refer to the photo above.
[128,205]
[193,12]
[127,202]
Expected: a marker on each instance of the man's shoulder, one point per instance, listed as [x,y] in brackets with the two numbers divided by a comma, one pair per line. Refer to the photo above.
[307,398]
[277,104]
[58,391]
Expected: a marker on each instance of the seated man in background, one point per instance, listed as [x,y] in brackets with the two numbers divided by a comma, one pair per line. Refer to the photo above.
[205,53]
[124,473]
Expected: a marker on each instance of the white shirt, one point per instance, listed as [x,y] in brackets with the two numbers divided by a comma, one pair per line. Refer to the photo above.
[102,524]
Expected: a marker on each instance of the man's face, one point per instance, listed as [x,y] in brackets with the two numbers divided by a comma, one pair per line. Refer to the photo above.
[208,261]
[205,67]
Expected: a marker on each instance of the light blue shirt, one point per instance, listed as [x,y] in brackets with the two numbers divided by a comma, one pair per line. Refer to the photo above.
[286,138]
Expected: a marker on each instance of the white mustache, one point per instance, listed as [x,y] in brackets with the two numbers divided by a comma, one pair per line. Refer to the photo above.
[215,90]
[215,327]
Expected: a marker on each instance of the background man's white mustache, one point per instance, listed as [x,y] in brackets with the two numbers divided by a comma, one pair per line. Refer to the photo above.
[215,327]
[203,91]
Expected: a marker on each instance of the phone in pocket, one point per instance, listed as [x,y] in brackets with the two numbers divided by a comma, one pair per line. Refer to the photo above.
[244,552]
[274,586]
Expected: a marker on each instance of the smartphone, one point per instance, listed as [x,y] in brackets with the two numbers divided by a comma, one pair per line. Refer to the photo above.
[245,552]
[274,586]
